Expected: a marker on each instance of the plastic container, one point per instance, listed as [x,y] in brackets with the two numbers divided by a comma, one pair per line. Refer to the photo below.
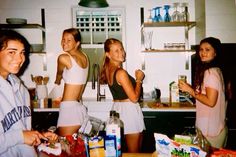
[113,128]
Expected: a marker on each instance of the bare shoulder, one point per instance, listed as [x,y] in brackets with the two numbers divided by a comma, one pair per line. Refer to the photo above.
[121,72]
[82,59]
[121,75]
[64,59]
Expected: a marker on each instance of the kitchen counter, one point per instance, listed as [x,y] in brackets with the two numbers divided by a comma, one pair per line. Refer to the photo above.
[165,106]
[146,105]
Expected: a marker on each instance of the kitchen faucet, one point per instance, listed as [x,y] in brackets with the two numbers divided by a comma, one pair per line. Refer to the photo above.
[96,76]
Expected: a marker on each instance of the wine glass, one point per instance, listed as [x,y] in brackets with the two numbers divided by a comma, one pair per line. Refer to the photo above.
[157,17]
[167,17]
[176,13]
[149,19]
[159,14]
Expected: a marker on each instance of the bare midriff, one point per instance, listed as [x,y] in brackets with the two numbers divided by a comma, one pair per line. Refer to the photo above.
[124,100]
[72,92]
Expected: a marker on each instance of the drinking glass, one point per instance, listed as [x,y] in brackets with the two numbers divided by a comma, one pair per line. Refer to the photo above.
[167,17]
[149,19]
[176,13]
[147,39]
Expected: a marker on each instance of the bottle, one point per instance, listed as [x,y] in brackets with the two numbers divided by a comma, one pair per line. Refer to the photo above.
[120,144]
[113,128]
[186,14]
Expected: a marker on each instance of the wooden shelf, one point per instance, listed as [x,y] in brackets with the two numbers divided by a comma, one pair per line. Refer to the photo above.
[169,24]
[23,26]
[162,50]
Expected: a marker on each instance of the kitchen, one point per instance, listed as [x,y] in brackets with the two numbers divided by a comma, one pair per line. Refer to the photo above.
[58,16]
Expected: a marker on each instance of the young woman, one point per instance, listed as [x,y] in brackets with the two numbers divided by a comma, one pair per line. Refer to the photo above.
[72,67]
[125,91]
[16,137]
[209,92]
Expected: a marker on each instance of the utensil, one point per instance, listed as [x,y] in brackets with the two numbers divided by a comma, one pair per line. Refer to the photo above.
[45,80]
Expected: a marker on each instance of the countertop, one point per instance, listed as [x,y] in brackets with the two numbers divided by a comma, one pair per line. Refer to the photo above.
[146,105]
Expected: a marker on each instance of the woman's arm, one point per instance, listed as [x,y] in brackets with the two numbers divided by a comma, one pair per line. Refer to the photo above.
[209,99]
[60,66]
[132,92]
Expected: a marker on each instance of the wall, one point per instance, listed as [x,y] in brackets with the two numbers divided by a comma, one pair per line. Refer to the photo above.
[58,17]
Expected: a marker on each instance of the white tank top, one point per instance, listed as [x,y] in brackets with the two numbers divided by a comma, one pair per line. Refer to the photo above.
[76,74]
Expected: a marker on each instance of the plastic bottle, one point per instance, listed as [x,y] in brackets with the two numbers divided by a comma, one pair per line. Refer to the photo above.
[113,128]
[120,145]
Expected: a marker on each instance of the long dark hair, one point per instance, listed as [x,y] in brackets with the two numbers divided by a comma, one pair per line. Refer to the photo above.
[106,60]
[75,33]
[201,67]
[8,35]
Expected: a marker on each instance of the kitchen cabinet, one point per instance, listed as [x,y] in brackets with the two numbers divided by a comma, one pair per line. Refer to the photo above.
[43,120]
[168,123]
[40,27]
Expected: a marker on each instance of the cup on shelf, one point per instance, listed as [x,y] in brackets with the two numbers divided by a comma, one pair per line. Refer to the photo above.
[147,39]
[176,14]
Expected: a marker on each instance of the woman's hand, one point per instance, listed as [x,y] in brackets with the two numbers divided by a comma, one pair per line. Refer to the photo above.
[185,87]
[139,75]
[33,138]
[50,135]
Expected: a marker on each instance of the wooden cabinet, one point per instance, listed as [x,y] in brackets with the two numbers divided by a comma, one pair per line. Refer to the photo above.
[43,120]
[168,123]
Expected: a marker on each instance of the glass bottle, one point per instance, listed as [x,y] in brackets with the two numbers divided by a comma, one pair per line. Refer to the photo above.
[184,16]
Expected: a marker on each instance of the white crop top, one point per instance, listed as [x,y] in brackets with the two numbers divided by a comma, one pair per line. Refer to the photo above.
[76,74]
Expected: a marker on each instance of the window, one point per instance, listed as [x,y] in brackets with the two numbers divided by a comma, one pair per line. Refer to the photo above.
[96,25]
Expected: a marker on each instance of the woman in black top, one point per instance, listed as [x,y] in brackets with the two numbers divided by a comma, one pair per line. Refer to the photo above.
[125,91]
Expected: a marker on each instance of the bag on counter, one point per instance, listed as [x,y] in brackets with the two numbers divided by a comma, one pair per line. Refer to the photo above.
[166,147]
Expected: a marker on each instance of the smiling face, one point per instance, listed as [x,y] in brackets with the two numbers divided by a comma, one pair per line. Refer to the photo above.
[68,42]
[11,58]
[207,52]
[116,53]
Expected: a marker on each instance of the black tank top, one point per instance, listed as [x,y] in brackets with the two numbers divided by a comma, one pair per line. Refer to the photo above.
[117,90]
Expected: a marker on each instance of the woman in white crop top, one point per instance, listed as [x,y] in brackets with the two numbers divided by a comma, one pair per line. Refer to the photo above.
[72,67]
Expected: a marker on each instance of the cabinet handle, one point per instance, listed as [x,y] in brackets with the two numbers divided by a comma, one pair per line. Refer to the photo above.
[150,117]
[190,117]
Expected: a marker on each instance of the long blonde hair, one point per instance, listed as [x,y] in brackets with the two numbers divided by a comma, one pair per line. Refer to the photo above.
[106,60]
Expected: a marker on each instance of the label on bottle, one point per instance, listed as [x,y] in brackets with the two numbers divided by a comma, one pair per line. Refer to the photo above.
[114,129]
[110,146]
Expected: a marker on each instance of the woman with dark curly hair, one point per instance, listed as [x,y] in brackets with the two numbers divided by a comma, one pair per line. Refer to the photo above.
[209,91]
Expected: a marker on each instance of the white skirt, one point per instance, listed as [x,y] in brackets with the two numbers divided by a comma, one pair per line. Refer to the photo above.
[131,115]
[71,113]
